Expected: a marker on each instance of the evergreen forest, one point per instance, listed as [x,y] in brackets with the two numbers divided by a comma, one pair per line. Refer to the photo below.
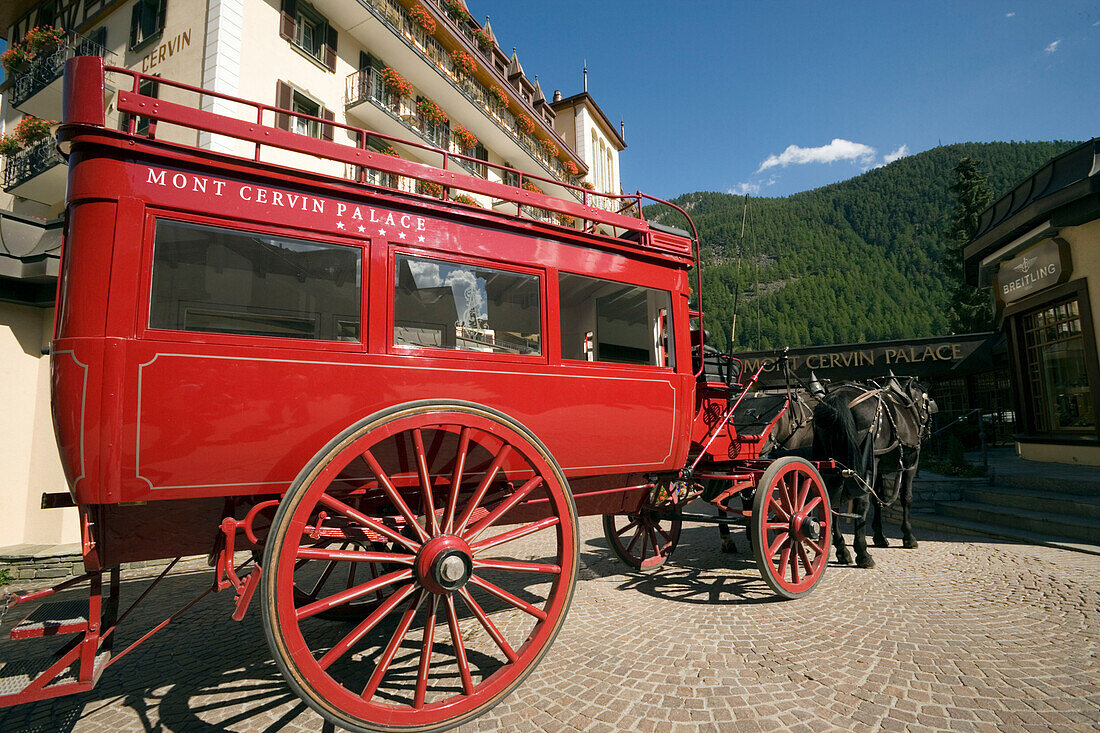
[862,260]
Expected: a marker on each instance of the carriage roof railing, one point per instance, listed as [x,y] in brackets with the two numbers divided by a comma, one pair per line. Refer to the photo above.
[84,75]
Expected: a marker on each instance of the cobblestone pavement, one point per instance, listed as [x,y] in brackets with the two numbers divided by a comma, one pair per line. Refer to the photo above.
[955,635]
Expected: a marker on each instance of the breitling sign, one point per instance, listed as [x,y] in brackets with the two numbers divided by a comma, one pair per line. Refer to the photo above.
[1034,269]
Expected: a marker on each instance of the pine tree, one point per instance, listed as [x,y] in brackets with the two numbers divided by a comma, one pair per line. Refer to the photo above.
[970,306]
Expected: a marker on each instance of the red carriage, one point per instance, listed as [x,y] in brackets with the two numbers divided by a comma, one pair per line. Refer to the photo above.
[397,404]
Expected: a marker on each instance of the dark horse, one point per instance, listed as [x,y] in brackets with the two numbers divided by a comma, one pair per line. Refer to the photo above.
[872,430]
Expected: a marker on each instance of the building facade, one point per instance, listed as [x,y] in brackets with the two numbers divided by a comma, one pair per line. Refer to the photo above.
[1038,249]
[423,72]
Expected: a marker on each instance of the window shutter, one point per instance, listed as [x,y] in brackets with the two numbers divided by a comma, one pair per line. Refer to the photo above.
[135,24]
[288,26]
[327,131]
[364,60]
[162,13]
[282,100]
[330,47]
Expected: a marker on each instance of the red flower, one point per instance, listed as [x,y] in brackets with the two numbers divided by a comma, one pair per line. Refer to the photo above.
[500,95]
[422,17]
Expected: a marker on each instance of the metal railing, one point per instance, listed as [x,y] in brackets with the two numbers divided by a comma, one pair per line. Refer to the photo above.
[29,162]
[46,68]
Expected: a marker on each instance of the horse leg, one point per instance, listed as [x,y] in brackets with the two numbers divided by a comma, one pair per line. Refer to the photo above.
[728,545]
[859,541]
[842,555]
[876,520]
[906,498]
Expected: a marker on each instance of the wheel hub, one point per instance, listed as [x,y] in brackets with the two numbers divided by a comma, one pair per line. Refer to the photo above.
[808,527]
[444,564]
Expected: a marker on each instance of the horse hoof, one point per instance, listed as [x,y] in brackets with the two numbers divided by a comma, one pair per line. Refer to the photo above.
[729,547]
[881,542]
[844,559]
[909,544]
[865,562]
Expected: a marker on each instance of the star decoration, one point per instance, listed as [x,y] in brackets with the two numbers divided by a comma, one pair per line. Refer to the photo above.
[339,225]
[420,238]
[401,235]
[381,232]
[362,228]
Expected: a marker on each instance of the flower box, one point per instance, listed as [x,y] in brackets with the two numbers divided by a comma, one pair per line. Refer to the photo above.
[429,111]
[421,17]
[463,137]
[395,83]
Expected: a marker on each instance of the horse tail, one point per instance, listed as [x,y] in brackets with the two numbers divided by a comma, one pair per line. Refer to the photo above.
[836,434]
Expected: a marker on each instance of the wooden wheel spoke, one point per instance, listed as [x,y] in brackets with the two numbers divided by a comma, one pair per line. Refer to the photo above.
[802,494]
[509,598]
[427,502]
[358,516]
[519,567]
[775,506]
[355,556]
[781,539]
[805,560]
[653,538]
[483,487]
[812,505]
[819,549]
[394,495]
[489,626]
[637,536]
[391,649]
[365,626]
[793,563]
[517,496]
[784,561]
[621,532]
[515,534]
[456,480]
[426,654]
[776,525]
[668,538]
[345,596]
[460,647]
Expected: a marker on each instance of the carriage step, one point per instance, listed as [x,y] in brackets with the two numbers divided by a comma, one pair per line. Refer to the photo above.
[52,619]
[16,676]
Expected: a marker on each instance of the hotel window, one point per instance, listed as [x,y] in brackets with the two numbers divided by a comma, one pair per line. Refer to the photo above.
[146,22]
[310,31]
[148,88]
[1056,369]
[287,97]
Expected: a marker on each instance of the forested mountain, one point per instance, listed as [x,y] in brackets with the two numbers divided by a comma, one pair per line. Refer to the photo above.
[859,260]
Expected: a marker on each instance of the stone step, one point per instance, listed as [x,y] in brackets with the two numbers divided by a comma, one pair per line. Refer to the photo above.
[1055,525]
[1071,505]
[1080,483]
[964,526]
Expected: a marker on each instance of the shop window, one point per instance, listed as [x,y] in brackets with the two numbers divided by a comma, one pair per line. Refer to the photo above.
[215,280]
[1056,369]
[310,31]
[447,305]
[146,22]
[614,322]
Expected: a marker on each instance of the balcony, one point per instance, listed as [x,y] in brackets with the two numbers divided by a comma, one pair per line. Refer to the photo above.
[391,14]
[37,173]
[36,89]
[365,86]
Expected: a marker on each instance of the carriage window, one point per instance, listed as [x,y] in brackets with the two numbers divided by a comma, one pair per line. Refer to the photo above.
[446,305]
[222,281]
[609,321]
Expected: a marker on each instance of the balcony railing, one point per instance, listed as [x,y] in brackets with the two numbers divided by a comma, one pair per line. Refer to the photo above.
[46,68]
[29,162]
[366,85]
[393,14]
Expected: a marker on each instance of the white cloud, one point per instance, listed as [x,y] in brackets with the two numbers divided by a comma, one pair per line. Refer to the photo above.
[838,149]
[1053,46]
[742,189]
[1010,15]
[896,155]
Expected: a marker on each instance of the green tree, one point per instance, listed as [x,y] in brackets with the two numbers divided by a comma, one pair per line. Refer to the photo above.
[970,307]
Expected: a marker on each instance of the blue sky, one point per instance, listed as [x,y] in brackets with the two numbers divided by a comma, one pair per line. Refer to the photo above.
[760,96]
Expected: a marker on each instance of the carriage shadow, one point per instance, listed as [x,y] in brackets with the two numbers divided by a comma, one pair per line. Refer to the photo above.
[203,672]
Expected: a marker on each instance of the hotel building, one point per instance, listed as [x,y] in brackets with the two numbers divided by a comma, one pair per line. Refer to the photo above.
[421,71]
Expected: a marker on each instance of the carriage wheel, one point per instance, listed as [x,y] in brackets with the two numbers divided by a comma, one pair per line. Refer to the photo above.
[469,607]
[791,522]
[644,539]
